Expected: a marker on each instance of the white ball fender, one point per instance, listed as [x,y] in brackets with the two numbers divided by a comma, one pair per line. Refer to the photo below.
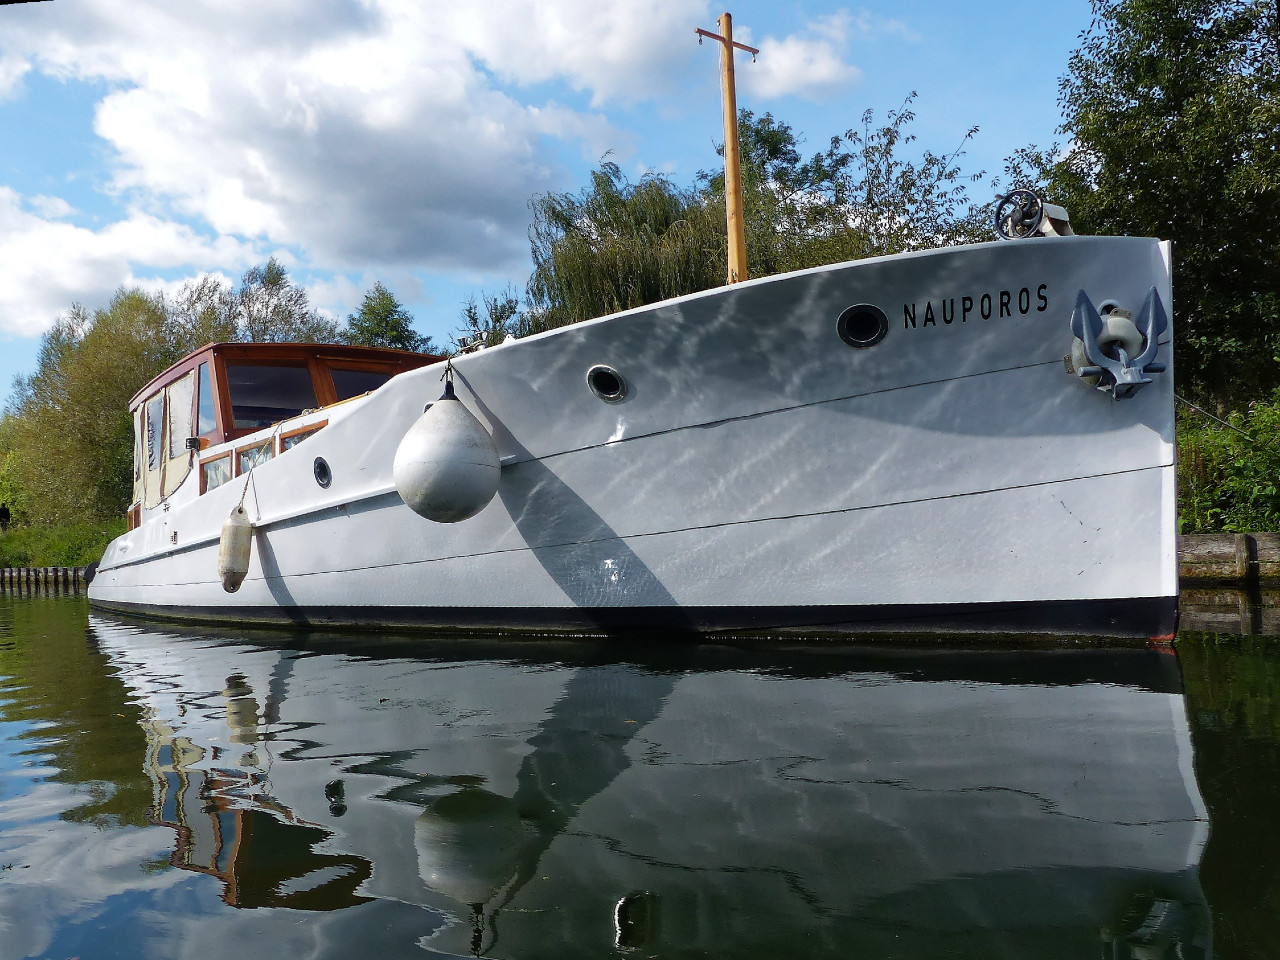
[233,549]
[447,466]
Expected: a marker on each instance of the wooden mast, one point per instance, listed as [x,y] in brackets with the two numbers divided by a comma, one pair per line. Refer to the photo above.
[732,157]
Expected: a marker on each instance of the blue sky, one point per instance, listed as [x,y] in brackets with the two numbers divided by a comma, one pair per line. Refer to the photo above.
[146,143]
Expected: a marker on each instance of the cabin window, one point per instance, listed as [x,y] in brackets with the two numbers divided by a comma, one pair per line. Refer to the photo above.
[180,415]
[207,419]
[352,383]
[290,440]
[155,430]
[153,427]
[137,454]
[249,457]
[214,473]
[263,395]
[181,397]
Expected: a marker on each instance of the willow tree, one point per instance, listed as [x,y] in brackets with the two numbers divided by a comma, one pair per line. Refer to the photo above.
[618,245]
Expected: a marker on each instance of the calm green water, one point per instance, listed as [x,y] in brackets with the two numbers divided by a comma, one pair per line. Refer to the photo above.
[216,795]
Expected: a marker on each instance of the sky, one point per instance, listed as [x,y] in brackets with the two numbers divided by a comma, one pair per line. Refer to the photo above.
[147,143]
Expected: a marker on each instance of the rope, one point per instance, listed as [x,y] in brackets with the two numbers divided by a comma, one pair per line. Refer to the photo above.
[1206,413]
[269,442]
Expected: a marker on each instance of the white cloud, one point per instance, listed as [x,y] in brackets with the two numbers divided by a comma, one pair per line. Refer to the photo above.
[51,208]
[50,264]
[12,70]
[624,51]
[809,64]
[363,135]
[870,26]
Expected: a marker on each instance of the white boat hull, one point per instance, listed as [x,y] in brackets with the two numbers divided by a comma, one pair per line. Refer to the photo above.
[760,474]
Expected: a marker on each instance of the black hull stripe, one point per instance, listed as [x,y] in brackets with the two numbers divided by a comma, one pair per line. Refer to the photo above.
[1139,618]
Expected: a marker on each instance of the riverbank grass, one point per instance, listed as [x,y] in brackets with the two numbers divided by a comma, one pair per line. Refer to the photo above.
[70,545]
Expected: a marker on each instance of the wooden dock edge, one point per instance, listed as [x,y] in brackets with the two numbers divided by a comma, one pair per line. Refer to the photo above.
[45,580]
[1241,560]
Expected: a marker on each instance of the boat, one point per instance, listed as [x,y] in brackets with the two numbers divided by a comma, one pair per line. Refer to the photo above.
[669,801]
[976,439]
[973,439]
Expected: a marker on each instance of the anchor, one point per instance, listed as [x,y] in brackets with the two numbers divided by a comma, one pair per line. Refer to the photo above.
[1107,364]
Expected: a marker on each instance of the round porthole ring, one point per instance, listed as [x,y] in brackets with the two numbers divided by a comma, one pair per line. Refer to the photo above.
[607,383]
[320,469]
[862,325]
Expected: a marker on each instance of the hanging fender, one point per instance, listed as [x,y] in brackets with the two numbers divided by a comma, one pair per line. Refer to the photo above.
[446,467]
[233,549]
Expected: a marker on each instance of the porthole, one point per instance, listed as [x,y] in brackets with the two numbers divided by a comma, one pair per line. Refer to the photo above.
[324,476]
[606,383]
[862,325]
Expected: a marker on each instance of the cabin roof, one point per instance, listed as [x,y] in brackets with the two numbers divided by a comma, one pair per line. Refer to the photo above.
[266,352]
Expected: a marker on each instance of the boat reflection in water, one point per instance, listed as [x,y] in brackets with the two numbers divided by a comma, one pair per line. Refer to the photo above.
[563,800]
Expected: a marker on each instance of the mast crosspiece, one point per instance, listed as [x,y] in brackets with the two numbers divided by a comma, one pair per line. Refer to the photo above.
[732,156]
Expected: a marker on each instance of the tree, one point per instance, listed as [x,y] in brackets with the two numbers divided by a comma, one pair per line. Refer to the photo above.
[383,322]
[11,492]
[858,198]
[71,437]
[1172,108]
[794,210]
[501,318]
[618,245]
[269,308]
[204,311]
[903,204]
[66,442]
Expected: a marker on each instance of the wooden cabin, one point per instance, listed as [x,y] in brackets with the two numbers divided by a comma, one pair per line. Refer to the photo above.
[225,391]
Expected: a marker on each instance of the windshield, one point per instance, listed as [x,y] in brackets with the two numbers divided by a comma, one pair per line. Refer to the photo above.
[262,395]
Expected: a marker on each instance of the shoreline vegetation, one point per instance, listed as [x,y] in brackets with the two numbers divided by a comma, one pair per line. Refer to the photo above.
[57,545]
[1172,116]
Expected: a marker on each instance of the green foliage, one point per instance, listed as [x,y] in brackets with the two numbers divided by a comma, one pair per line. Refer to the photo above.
[859,198]
[901,204]
[1226,481]
[11,493]
[66,441]
[618,245]
[1172,108]
[204,311]
[71,439]
[63,545]
[795,211]
[492,320]
[269,308]
[382,321]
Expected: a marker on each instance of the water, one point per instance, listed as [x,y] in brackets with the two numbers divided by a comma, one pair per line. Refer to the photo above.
[221,795]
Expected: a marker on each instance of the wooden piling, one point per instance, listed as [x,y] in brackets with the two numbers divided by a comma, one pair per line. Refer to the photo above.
[1245,560]
[43,581]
